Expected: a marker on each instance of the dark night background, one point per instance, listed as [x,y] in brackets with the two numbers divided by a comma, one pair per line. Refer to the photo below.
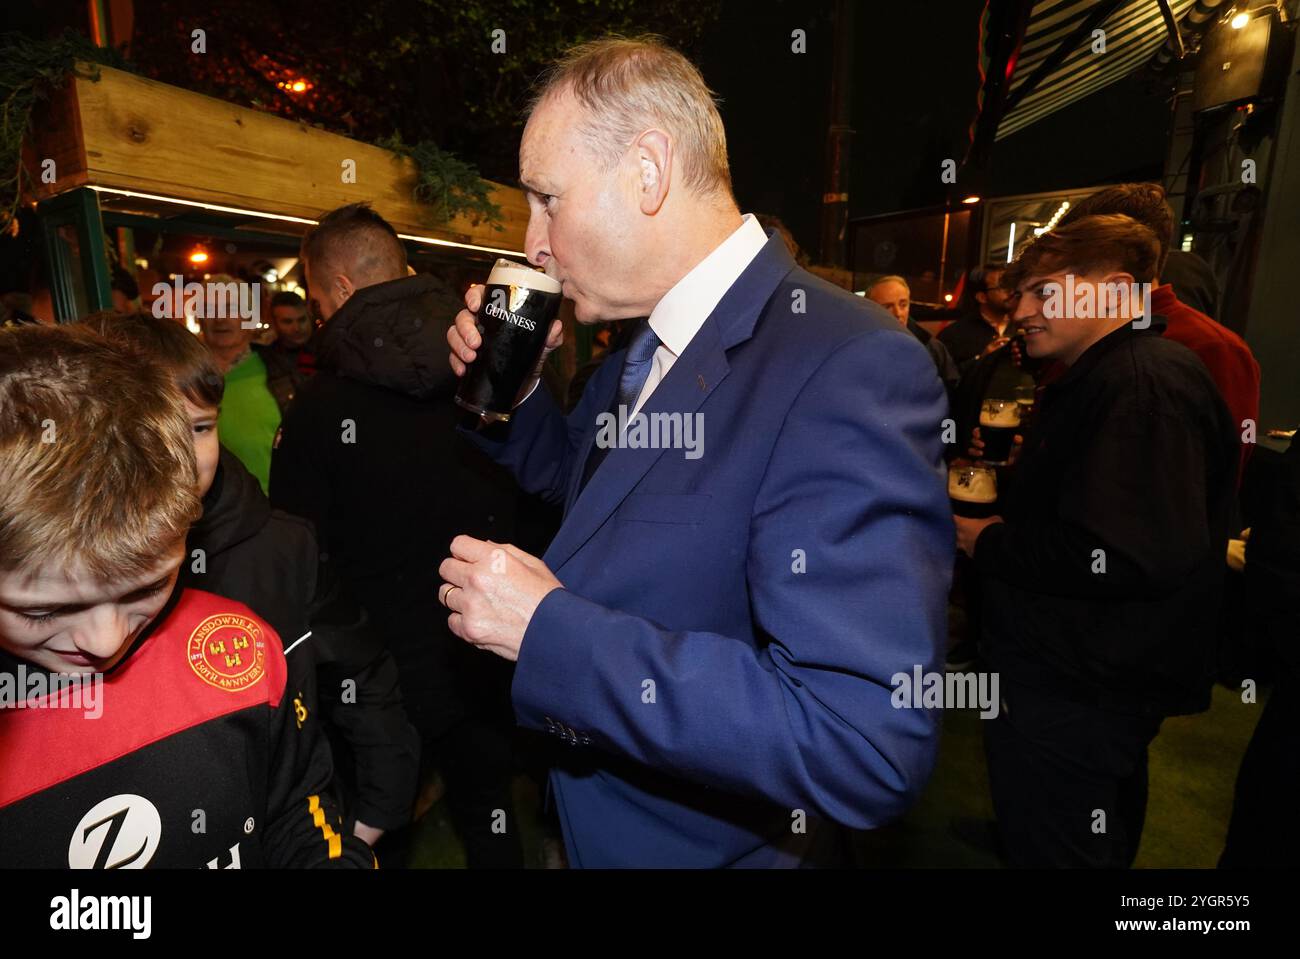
[420,67]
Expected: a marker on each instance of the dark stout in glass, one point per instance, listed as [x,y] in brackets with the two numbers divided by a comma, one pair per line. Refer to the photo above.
[973,491]
[999,421]
[519,305]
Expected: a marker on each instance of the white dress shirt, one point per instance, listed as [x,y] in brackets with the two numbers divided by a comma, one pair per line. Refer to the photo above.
[679,315]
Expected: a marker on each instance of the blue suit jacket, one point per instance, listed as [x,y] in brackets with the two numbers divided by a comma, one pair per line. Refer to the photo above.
[721,654]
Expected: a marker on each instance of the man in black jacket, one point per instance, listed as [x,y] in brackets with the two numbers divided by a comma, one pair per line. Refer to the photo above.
[368,451]
[289,360]
[1102,582]
[984,325]
[893,293]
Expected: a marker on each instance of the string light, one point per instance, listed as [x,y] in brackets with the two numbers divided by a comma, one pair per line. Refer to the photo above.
[219,208]
[1056,217]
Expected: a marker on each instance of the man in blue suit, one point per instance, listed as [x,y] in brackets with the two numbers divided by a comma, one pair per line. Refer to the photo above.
[716,628]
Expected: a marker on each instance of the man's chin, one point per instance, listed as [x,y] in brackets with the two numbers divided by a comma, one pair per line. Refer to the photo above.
[584,314]
[1038,351]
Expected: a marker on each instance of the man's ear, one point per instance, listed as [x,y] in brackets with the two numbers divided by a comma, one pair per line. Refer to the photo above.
[343,287]
[1119,278]
[654,152]
[1125,281]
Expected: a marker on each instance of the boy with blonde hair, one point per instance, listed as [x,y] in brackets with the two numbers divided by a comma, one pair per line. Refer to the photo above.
[202,751]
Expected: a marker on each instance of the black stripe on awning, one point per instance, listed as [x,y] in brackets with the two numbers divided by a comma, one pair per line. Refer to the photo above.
[1134,31]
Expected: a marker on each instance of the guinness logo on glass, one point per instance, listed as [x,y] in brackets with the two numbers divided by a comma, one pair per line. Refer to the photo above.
[519,305]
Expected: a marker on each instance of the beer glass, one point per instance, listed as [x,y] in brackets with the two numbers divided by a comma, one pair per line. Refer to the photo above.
[973,491]
[519,305]
[999,421]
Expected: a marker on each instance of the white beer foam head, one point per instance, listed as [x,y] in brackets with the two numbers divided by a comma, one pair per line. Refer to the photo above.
[973,486]
[506,273]
[1009,415]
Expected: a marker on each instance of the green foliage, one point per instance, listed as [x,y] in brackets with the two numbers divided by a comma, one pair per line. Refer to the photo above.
[424,67]
[450,185]
[30,72]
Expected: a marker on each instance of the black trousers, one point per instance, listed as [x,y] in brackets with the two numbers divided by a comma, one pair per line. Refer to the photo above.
[1264,831]
[1069,781]
[476,761]
[458,699]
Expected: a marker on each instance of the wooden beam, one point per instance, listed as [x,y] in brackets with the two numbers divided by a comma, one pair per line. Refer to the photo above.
[55,135]
[131,133]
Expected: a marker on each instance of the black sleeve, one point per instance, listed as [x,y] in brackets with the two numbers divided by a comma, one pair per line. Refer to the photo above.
[299,477]
[1273,561]
[361,697]
[972,384]
[304,826]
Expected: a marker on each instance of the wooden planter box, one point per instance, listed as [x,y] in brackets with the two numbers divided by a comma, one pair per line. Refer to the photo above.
[130,133]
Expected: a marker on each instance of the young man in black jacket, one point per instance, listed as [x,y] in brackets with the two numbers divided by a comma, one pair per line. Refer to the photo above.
[1102,580]
[368,451]
[242,549]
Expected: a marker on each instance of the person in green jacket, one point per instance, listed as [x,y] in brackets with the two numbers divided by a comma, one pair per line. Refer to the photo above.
[250,415]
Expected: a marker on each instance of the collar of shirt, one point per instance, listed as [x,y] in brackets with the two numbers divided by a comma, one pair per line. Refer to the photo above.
[679,315]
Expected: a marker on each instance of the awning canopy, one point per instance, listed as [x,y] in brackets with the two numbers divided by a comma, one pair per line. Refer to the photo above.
[1133,30]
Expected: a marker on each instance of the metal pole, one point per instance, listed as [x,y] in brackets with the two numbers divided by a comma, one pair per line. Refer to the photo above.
[943,255]
[835,199]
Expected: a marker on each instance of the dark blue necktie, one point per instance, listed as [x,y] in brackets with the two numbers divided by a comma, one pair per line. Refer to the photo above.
[636,368]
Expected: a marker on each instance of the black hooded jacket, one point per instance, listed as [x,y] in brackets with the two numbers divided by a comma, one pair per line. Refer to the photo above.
[269,560]
[369,452]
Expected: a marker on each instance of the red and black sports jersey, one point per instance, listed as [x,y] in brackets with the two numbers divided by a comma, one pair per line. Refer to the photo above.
[205,752]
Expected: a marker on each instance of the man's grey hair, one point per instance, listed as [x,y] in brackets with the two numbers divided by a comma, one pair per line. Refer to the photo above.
[889,278]
[630,85]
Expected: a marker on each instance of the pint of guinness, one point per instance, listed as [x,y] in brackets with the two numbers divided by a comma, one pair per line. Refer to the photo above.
[999,421]
[519,305]
[973,491]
